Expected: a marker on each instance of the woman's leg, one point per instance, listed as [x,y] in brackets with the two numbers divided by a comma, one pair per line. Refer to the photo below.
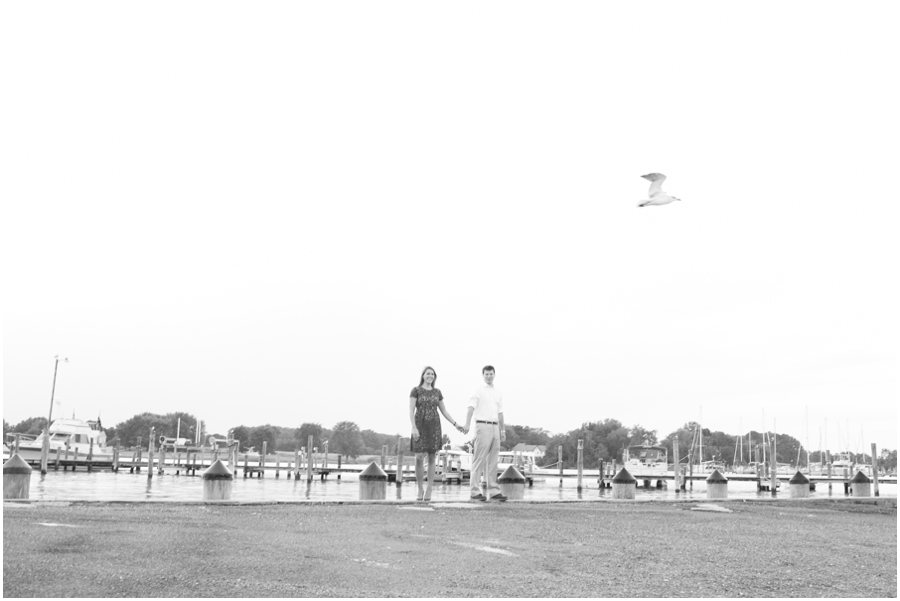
[432,460]
[420,474]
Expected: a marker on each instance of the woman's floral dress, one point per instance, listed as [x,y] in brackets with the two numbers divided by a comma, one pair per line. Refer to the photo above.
[428,420]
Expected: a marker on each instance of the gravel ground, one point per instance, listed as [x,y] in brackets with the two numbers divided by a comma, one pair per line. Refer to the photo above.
[612,549]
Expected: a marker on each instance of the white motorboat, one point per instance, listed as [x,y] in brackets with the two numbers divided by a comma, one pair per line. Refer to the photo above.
[453,464]
[645,459]
[77,434]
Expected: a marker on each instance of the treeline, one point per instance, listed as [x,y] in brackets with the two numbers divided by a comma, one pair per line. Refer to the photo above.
[344,437]
[603,440]
[607,440]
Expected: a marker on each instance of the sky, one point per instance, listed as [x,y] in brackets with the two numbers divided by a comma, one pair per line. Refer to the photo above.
[281,213]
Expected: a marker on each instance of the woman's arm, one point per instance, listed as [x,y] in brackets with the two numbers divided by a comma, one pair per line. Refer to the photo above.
[412,417]
[447,415]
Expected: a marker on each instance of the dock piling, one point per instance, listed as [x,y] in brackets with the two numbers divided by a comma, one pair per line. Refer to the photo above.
[309,460]
[399,478]
[624,485]
[716,486]
[676,466]
[559,456]
[860,485]
[372,483]
[773,478]
[150,450]
[217,482]
[512,484]
[875,469]
[799,486]
[16,478]
[579,463]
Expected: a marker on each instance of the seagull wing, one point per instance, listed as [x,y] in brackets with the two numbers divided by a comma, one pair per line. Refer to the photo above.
[656,180]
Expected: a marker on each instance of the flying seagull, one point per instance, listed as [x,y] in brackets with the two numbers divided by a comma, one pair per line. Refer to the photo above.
[657,196]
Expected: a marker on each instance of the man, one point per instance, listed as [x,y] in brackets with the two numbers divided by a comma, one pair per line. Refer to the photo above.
[486,406]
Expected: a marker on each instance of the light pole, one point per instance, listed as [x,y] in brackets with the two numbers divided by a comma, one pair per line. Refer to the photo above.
[45,447]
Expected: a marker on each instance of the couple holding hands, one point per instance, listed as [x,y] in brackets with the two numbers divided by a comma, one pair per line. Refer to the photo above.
[485,405]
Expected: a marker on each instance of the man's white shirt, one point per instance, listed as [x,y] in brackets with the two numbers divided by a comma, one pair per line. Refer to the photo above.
[487,402]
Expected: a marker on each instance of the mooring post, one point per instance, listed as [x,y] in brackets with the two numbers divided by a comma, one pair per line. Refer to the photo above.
[716,486]
[162,455]
[400,461]
[874,469]
[140,451]
[676,458]
[600,475]
[150,455]
[512,484]
[773,480]
[90,456]
[262,459]
[383,456]
[246,463]
[579,463]
[277,463]
[624,485]
[339,468]
[799,486]
[217,482]
[16,478]
[861,485]
[56,463]
[67,454]
[373,483]
[116,456]
[309,460]
[559,458]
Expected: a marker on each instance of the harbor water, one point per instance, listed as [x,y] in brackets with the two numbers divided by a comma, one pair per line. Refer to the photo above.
[124,486]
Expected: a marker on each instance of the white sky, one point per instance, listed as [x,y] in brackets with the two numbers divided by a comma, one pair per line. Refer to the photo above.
[280,212]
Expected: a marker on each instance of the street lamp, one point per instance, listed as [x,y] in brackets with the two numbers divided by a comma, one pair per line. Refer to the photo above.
[45,447]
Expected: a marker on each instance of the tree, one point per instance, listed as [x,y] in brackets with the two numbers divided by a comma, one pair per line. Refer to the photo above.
[32,425]
[640,435]
[311,429]
[164,425]
[288,439]
[346,439]
[263,434]
[529,435]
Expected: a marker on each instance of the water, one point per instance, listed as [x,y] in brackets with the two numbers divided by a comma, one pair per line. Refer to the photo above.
[109,486]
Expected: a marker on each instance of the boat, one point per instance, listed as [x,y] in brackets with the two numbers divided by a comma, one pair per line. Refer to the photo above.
[527,462]
[644,459]
[456,462]
[78,434]
[844,460]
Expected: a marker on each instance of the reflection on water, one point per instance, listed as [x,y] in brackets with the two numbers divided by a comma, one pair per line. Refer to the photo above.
[107,486]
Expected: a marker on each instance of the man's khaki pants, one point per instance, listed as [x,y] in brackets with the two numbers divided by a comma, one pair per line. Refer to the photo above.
[487,457]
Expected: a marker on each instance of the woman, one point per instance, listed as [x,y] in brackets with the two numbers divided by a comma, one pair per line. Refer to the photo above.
[424,402]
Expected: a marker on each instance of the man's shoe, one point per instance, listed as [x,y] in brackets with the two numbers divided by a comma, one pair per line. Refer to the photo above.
[480,497]
[498,497]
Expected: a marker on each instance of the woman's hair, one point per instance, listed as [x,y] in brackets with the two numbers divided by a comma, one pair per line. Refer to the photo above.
[422,379]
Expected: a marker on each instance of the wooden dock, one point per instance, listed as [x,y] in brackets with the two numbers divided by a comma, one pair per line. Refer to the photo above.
[195,462]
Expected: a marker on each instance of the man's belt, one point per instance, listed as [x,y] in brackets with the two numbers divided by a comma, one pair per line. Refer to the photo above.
[481,421]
